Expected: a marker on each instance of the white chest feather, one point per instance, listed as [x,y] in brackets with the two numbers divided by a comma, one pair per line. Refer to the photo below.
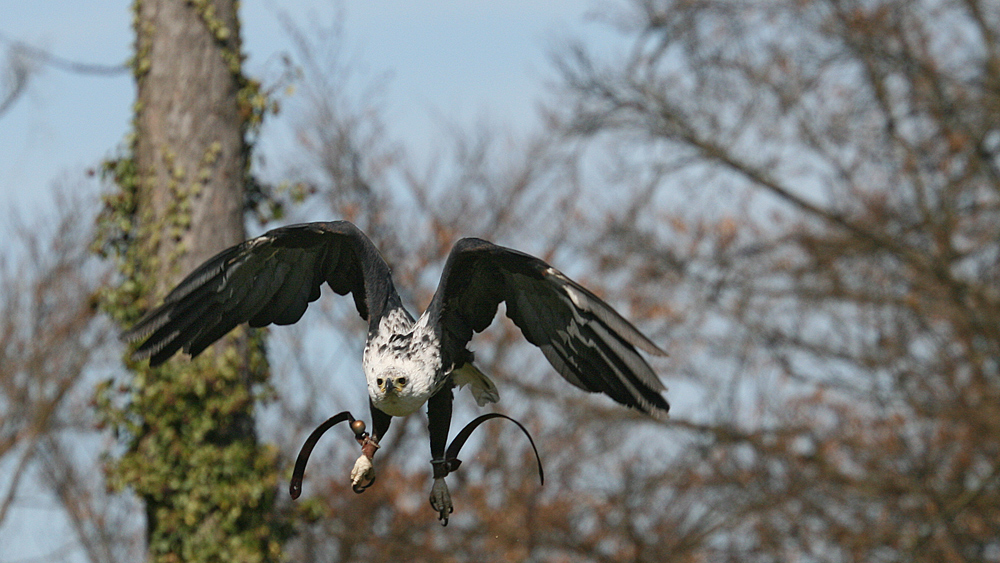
[401,364]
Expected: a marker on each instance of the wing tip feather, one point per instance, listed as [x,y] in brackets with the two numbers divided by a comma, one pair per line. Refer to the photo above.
[142,329]
[657,412]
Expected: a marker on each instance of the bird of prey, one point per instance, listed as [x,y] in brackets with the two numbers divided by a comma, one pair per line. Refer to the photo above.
[408,362]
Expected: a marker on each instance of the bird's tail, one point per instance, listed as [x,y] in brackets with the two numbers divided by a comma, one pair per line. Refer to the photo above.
[481,387]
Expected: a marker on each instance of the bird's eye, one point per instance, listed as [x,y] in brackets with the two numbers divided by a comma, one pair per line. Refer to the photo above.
[401,381]
[379,381]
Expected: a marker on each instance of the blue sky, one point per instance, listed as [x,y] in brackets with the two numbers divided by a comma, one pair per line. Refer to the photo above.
[453,60]
[461,61]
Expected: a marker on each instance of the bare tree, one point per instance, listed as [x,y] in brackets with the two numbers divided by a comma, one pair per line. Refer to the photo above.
[21,61]
[521,195]
[53,343]
[799,200]
[830,249]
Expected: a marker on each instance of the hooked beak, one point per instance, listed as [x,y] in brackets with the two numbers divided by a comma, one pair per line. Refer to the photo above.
[389,384]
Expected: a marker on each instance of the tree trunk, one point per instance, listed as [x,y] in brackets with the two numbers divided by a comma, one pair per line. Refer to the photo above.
[193,455]
[190,150]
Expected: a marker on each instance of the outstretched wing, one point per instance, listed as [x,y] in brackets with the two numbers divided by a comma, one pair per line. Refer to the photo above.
[587,341]
[268,279]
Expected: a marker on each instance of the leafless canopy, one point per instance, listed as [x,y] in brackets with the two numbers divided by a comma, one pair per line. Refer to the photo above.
[799,201]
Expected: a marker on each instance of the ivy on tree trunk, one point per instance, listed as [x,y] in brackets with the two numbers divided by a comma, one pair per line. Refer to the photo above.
[192,453]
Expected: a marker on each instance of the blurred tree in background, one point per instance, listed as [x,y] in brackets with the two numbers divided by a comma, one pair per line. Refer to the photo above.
[830,269]
[801,201]
[798,200]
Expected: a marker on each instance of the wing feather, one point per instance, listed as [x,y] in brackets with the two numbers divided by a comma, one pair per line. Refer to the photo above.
[164,339]
[290,290]
[265,280]
[586,341]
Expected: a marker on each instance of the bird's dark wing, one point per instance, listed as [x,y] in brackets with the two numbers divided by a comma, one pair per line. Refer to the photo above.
[268,279]
[587,341]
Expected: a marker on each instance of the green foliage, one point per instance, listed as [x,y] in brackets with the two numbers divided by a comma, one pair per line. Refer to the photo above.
[208,485]
[115,239]
[190,450]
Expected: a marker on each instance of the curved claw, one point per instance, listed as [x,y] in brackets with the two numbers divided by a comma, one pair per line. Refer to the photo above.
[451,455]
[360,488]
[441,500]
[363,474]
[295,488]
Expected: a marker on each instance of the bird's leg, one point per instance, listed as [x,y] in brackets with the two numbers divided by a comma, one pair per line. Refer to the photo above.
[363,474]
[438,423]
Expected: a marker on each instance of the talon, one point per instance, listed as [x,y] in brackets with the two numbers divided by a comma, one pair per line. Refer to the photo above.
[363,474]
[441,500]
